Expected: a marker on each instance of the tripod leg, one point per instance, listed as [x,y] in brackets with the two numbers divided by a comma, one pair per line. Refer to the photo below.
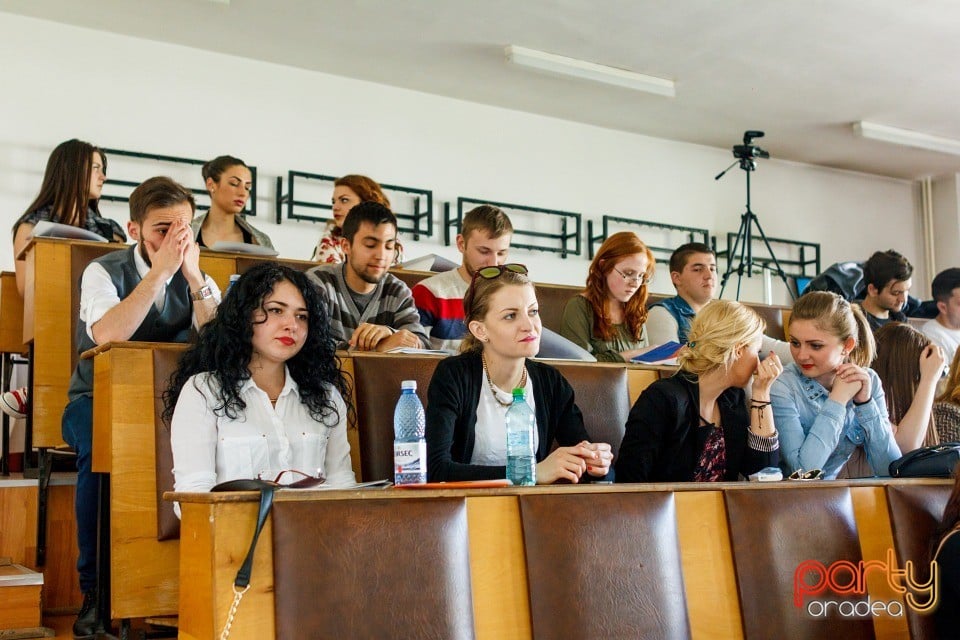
[780,272]
[731,256]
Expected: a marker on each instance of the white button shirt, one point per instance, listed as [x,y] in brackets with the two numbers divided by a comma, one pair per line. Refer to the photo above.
[98,294]
[209,449]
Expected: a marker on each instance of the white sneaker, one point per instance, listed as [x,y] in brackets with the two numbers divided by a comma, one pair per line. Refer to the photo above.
[14,403]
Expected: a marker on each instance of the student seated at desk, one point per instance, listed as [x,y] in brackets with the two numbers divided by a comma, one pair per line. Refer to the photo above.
[153,291]
[909,367]
[469,394]
[697,425]
[348,192]
[69,194]
[608,318]
[229,181]
[261,391]
[827,402]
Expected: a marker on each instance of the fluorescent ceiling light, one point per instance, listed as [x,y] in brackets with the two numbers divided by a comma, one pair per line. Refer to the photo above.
[588,70]
[906,137]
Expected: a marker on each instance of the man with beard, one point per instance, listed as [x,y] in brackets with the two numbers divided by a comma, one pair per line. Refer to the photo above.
[370,309]
[153,291]
[484,241]
[888,276]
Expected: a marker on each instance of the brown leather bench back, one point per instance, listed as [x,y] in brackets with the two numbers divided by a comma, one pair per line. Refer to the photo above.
[245,264]
[603,395]
[80,256]
[604,566]
[773,316]
[164,364]
[553,299]
[771,534]
[387,572]
[377,379]
[915,512]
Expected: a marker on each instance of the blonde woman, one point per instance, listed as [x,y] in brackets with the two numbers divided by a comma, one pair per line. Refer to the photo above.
[698,425]
[470,393]
[827,403]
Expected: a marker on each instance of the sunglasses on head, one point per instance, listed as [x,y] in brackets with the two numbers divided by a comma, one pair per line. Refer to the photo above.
[490,273]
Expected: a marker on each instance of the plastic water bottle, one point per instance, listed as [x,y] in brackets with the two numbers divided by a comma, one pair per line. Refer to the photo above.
[233,279]
[409,446]
[521,458]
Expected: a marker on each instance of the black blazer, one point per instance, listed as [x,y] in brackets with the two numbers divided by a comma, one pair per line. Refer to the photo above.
[452,417]
[663,441]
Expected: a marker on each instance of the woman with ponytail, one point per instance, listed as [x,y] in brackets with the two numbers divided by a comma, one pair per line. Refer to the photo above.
[828,401]
[698,426]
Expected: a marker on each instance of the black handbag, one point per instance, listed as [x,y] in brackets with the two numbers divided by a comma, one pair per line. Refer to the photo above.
[938,461]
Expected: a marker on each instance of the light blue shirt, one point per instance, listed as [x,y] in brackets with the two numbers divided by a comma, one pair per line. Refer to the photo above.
[819,433]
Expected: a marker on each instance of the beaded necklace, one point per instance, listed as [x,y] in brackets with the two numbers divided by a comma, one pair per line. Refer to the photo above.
[494,388]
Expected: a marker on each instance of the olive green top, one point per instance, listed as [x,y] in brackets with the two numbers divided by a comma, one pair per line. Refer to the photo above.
[577,326]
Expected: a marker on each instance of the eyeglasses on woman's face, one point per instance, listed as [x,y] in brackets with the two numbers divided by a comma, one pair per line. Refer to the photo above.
[630,276]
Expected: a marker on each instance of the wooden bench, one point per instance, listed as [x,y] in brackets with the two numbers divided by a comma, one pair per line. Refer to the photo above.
[515,537]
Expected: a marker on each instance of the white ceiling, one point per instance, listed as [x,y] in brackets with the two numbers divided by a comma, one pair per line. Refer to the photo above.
[801,70]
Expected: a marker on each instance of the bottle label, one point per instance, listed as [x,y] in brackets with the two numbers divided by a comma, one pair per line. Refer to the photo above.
[407,457]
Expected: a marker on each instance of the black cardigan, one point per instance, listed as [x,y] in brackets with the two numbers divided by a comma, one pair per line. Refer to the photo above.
[663,441]
[452,417]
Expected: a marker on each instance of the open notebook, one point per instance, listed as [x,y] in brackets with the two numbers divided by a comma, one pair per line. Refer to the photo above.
[47,229]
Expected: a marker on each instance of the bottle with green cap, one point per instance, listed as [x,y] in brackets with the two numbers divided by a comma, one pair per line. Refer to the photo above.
[521,458]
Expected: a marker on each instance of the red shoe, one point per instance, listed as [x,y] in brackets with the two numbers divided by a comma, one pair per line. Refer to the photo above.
[14,403]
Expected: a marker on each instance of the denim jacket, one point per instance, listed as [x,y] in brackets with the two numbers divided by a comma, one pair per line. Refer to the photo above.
[682,312]
[819,433]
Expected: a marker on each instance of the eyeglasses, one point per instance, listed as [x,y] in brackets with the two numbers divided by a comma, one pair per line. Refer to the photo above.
[639,278]
[490,273]
[305,482]
[493,272]
[800,474]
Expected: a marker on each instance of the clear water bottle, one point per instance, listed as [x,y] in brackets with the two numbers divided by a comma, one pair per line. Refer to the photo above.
[521,458]
[409,446]
[233,279]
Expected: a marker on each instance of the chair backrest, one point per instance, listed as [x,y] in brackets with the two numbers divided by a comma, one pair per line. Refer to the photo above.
[773,316]
[410,278]
[772,533]
[385,573]
[377,379]
[164,364]
[553,299]
[915,512]
[603,395]
[80,256]
[244,263]
[615,573]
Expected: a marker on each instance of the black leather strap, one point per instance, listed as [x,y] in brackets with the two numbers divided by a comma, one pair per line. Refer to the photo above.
[266,490]
[266,502]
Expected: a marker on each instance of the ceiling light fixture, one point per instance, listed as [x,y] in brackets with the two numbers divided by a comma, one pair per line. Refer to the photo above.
[563,65]
[905,137]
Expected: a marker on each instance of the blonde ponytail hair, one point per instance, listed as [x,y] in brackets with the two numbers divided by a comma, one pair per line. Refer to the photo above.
[717,332]
[833,314]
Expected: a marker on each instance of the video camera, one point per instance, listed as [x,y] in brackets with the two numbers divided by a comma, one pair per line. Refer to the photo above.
[747,151]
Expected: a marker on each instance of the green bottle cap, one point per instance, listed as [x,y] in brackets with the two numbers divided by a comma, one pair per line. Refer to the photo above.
[518,393]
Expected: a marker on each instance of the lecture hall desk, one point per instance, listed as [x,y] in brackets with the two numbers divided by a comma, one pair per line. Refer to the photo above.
[217,528]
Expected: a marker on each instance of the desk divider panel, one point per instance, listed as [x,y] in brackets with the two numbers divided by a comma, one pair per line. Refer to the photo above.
[772,533]
[385,572]
[604,566]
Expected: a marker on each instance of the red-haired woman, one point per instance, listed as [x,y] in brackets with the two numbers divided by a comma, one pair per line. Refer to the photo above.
[607,318]
[348,192]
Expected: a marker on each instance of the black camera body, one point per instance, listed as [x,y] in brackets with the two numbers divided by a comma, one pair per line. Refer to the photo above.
[747,151]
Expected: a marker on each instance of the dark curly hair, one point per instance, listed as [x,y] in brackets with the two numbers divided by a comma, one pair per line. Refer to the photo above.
[224,347]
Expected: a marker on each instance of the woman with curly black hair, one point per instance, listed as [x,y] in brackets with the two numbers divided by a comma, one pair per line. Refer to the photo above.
[262,390]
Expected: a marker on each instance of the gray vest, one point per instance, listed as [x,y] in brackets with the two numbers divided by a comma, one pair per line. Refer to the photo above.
[172,325]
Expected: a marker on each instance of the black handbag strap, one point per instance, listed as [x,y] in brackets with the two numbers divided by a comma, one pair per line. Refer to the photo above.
[266,502]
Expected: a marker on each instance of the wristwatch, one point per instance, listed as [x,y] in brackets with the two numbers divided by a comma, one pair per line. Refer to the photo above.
[202,293]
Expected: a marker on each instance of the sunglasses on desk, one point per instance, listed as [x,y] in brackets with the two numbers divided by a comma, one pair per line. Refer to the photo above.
[305,480]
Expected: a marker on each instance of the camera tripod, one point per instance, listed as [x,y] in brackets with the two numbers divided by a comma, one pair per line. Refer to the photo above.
[745,235]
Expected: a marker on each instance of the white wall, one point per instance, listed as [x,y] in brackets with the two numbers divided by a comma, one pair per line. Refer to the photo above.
[60,82]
